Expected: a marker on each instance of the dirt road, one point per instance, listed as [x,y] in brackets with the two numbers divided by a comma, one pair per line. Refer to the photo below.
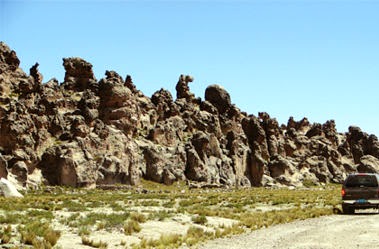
[329,232]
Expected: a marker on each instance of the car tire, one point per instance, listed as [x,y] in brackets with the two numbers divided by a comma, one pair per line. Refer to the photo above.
[348,209]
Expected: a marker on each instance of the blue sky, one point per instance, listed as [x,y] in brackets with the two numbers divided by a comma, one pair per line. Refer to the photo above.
[314,59]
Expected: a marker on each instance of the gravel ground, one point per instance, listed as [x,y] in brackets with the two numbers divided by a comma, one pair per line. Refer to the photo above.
[328,232]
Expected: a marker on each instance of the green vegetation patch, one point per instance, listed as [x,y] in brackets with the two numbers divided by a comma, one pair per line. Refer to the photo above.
[29,221]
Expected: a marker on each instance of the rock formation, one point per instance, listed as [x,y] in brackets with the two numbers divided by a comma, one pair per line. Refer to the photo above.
[85,132]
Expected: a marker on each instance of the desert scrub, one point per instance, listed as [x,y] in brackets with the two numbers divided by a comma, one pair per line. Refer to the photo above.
[10,218]
[169,204]
[110,220]
[52,236]
[149,203]
[230,230]
[165,241]
[199,219]
[193,236]
[196,235]
[27,217]
[140,218]
[160,215]
[88,210]
[84,230]
[131,227]
[72,220]
[40,214]
[92,243]
[192,201]
[265,219]
[178,186]
[36,233]
[74,206]
[5,234]
[117,206]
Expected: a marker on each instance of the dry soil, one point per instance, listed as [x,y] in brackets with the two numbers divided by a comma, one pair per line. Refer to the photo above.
[329,232]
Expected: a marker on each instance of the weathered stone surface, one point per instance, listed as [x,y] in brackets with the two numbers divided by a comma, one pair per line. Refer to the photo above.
[281,170]
[8,59]
[164,103]
[129,84]
[368,164]
[162,167]
[78,74]
[3,167]
[37,76]
[218,97]
[317,165]
[8,189]
[182,88]
[85,132]
[356,138]
[169,132]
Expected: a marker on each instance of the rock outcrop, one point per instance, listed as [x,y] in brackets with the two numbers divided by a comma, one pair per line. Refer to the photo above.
[83,132]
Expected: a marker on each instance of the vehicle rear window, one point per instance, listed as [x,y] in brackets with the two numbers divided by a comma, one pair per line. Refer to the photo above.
[361,181]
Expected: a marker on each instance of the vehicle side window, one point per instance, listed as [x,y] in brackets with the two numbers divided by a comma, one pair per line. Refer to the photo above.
[361,181]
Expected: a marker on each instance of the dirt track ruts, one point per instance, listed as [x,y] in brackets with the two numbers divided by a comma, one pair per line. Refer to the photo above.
[328,232]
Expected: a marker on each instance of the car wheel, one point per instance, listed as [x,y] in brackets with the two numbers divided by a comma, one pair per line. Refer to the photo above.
[347,209]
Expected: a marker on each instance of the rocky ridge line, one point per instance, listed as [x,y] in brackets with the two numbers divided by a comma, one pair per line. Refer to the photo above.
[85,132]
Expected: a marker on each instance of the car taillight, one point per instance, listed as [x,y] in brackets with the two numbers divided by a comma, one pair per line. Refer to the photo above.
[343,192]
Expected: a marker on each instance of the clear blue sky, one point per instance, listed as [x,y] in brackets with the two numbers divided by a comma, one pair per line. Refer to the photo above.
[315,59]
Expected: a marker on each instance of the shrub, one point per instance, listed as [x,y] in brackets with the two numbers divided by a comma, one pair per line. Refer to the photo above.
[6,234]
[131,227]
[199,219]
[96,244]
[52,236]
[138,217]
[160,215]
[31,232]
[84,230]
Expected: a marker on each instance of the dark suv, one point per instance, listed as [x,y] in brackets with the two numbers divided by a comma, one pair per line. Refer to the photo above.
[360,191]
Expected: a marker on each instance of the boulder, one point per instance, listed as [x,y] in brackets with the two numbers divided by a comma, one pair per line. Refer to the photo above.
[318,166]
[129,84]
[8,189]
[372,146]
[3,167]
[163,167]
[78,74]
[219,97]
[315,130]
[208,107]
[112,92]
[182,88]
[68,165]
[281,169]
[330,131]
[20,171]
[356,138]
[164,103]
[36,75]
[301,126]
[368,164]
[196,170]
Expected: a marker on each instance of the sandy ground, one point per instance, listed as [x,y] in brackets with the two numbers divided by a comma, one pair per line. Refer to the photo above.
[329,232]
[178,224]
